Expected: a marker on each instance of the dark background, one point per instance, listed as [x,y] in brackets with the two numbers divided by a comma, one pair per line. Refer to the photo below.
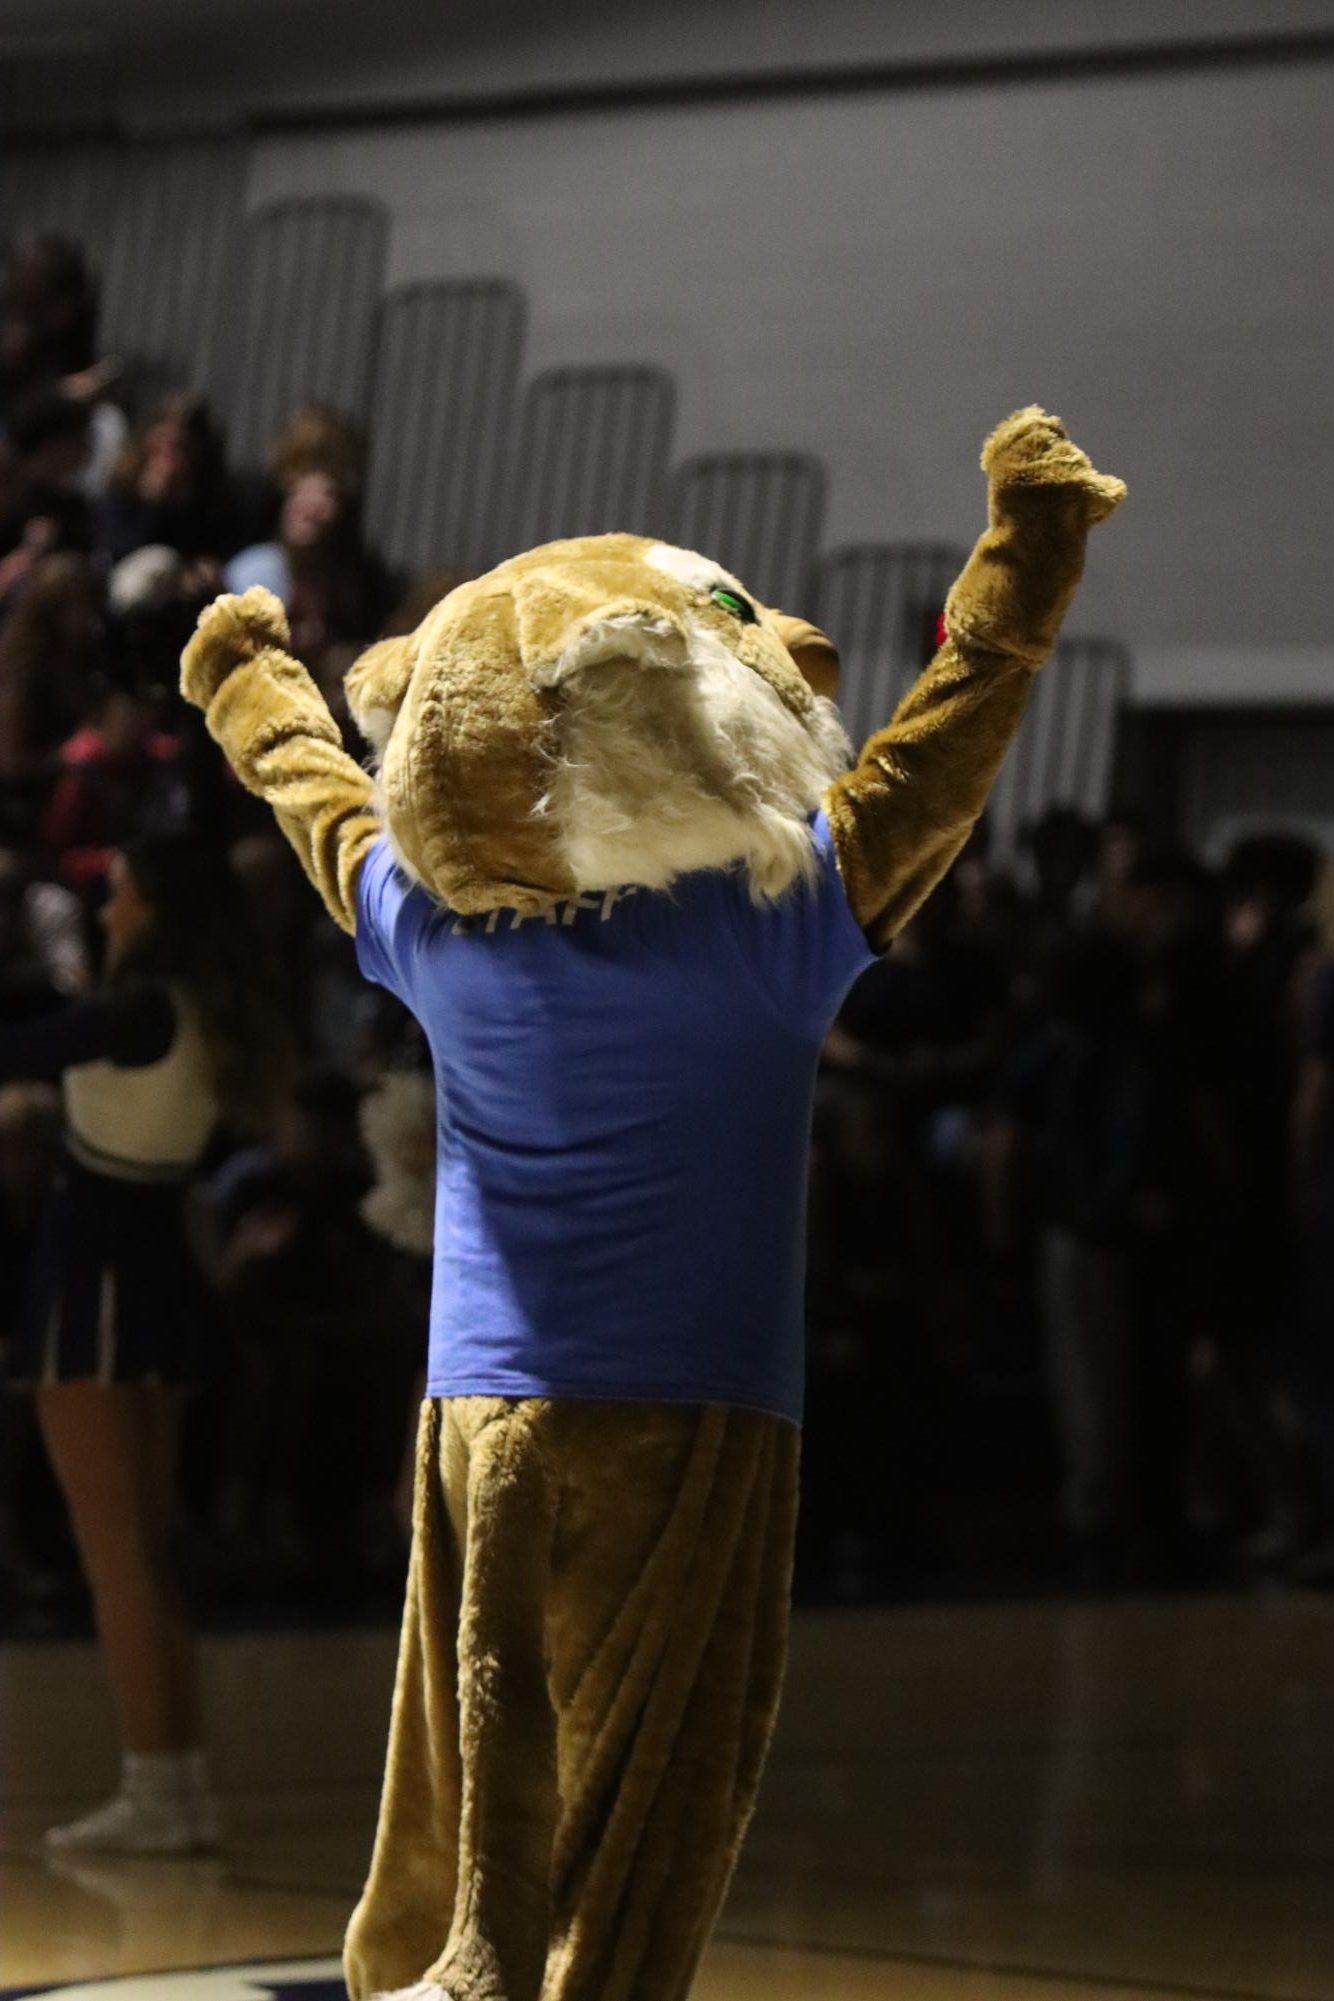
[1071,1184]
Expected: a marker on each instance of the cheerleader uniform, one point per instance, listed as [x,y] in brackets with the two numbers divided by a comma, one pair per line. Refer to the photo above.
[114,1295]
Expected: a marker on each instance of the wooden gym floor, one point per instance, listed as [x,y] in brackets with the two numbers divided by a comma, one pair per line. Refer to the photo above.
[1110,1802]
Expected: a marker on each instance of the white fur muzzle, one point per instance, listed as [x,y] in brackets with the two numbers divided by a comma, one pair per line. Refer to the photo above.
[658,774]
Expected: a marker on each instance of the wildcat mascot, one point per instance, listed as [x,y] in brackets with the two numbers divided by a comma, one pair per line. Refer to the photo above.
[619,863]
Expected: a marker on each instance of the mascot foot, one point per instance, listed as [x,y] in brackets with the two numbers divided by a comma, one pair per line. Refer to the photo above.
[424,1990]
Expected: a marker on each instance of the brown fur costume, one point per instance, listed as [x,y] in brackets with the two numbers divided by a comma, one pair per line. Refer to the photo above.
[597,1610]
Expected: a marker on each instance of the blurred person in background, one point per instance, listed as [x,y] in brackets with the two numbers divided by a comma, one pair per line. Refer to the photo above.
[1077,1116]
[309,511]
[118,781]
[318,567]
[1163,909]
[310,1442]
[171,488]
[48,353]
[1063,856]
[914,1047]
[30,1129]
[320,439]
[1267,947]
[181,1034]
[52,650]
[1313,1183]
[48,314]
[50,441]
[1120,847]
[24,537]
[44,954]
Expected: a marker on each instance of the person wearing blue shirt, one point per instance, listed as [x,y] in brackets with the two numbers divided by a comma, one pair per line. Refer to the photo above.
[615,862]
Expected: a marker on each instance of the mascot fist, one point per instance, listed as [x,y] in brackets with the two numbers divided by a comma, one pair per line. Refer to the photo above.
[1029,456]
[230,631]
[1043,497]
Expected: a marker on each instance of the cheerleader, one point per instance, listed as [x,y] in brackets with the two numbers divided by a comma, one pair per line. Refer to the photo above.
[181,1034]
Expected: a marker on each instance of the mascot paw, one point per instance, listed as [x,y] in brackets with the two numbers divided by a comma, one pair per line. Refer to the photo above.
[1030,451]
[230,631]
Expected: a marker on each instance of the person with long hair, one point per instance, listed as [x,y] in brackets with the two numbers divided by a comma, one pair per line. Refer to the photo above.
[182,1033]
[316,562]
[52,652]
[170,487]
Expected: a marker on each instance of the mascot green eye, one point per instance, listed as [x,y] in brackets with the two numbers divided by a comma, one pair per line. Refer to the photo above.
[732,601]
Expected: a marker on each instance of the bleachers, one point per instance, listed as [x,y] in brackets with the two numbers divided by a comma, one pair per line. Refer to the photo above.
[593,455]
[442,415]
[162,222]
[311,275]
[1063,753]
[758,513]
[287,305]
[169,268]
[880,602]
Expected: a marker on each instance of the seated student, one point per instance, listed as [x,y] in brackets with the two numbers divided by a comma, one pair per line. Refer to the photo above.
[50,440]
[48,314]
[317,568]
[52,649]
[43,945]
[171,488]
[119,779]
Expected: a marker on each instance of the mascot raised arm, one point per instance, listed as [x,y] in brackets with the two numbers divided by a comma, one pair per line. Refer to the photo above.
[617,859]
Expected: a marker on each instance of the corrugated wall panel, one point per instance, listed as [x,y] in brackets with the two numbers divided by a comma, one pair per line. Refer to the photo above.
[879,604]
[592,454]
[442,412]
[758,514]
[304,330]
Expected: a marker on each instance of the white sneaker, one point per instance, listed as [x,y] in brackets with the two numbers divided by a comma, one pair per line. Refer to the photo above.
[128,1825]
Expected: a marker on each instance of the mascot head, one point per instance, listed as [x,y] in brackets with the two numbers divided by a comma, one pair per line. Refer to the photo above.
[594,713]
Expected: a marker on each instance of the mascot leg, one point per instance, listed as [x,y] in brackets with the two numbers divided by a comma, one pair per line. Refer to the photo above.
[468,1807]
[669,1643]
[592,1653]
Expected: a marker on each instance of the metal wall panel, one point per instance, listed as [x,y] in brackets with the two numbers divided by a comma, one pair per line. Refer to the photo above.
[170,255]
[160,223]
[306,316]
[880,605]
[758,514]
[442,411]
[68,188]
[592,454]
[1063,753]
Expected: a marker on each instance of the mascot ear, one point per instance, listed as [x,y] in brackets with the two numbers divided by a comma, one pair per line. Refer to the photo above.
[815,654]
[376,685]
[565,626]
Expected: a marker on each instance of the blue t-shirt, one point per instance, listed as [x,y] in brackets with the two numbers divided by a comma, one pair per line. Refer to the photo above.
[624,1090]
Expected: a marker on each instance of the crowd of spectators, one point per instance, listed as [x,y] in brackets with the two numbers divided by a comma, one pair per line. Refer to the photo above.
[1073,1234]
[1072,1196]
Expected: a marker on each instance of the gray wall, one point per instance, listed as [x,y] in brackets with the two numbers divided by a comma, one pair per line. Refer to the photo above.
[176,60]
[879,278]
[876,278]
